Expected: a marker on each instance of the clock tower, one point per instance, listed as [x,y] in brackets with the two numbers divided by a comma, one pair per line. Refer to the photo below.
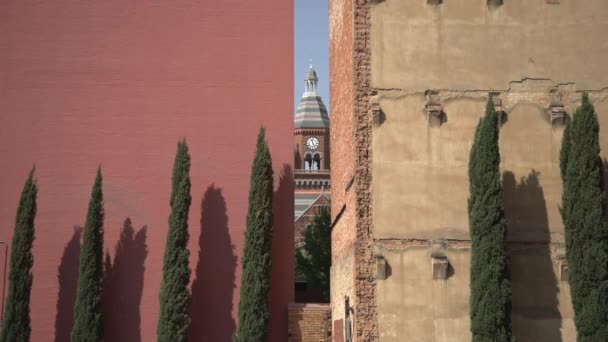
[311,164]
[311,133]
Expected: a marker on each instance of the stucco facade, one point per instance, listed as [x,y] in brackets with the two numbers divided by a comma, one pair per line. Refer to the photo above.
[118,83]
[408,88]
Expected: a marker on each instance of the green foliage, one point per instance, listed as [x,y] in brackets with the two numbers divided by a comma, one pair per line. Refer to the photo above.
[16,324]
[313,259]
[257,258]
[174,296]
[584,217]
[490,301]
[565,151]
[88,323]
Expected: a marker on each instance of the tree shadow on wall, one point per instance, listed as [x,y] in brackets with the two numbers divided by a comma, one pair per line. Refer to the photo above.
[213,288]
[283,253]
[535,314]
[123,285]
[297,159]
[67,276]
[606,182]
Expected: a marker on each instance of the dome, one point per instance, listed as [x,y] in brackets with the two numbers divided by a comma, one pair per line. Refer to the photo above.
[311,113]
[311,75]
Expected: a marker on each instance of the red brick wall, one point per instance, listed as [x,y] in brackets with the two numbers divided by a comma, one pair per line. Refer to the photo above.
[350,93]
[308,217]
[309,323]
[341,87]
[341,45]
[117,83]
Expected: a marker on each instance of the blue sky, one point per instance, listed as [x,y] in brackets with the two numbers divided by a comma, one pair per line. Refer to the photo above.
[311,42]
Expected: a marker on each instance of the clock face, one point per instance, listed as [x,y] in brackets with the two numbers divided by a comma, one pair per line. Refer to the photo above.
[312,143]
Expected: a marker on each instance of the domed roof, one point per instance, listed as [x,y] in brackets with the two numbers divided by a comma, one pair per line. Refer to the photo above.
[311,75]
[311,111]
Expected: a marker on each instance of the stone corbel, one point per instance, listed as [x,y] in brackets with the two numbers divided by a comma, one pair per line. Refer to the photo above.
[440,264]
[439,259]
[376,111]
[494,3]
[563,269]
[556,111]
[381,268]
[434,109]
[497,101]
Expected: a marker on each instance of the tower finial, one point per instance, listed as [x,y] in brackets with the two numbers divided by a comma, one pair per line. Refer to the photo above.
[310,60]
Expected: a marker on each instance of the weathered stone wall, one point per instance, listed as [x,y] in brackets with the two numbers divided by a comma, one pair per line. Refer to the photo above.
[466,45]
[309,323]
[414,307]
[407,55]
[421,191]
[420,181]
[420,171]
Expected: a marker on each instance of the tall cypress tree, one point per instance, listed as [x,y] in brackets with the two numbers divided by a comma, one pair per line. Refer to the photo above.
[88,322]
[490,301]
[174,296]
[586,229]
[16,324]
[257,258]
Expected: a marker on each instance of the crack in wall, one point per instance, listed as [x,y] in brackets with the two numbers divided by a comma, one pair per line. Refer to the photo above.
[394,243]
[524,85]
[527,90]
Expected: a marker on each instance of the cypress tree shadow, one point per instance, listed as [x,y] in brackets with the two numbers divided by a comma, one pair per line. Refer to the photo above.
[535,314]
[297,159]
[213,288]
[123,286]
[109,306]
[67,276]
[606,182]
[283,254]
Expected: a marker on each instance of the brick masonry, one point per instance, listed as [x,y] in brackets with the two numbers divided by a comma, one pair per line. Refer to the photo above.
[118,83]
[351,176]
[341,87]
[300,137]
[309,323]
[351,92]
[308,217]
[366,325]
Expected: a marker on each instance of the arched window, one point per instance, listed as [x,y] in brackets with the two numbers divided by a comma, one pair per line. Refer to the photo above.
[308,162]
[317,162]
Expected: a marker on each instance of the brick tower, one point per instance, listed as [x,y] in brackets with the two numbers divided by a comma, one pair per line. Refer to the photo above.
[311,162]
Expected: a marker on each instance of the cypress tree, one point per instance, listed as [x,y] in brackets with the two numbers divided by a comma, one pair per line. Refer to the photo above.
[257,259]
[313,259]
[16,324]
[88,313]
[584,218]
[490,301]
[174,296]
